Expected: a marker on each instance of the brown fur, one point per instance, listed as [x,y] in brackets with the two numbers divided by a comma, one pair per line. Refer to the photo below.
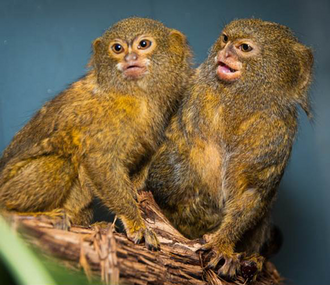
[227,147]
[96,137]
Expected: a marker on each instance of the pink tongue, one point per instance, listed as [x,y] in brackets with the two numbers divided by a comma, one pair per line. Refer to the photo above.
[224,69]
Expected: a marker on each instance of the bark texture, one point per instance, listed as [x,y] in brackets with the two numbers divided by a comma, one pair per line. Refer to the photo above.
[102,252]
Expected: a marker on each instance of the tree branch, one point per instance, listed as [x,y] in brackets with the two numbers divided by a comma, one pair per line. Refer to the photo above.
[101,251]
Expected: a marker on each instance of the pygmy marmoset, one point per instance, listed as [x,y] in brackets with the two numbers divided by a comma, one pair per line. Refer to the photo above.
[226,149]
[96,137]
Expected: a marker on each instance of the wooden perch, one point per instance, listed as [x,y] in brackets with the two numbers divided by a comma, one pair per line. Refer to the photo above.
[103,252]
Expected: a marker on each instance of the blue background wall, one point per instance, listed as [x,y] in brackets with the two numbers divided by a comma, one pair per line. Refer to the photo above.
[45,45]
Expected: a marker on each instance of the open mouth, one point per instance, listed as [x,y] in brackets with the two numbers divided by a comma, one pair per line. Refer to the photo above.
[227,72]
[225,68]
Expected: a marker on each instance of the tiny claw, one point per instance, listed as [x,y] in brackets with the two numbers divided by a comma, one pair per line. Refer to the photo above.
[60,220]
[153,247]
[151,240]
[224,263]
[214,262]
[231,266]
[148,236]
[138,238]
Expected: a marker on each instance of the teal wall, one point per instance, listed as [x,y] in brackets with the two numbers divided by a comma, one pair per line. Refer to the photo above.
[45,45]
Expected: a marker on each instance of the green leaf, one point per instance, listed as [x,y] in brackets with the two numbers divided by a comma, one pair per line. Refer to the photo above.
[25,267]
